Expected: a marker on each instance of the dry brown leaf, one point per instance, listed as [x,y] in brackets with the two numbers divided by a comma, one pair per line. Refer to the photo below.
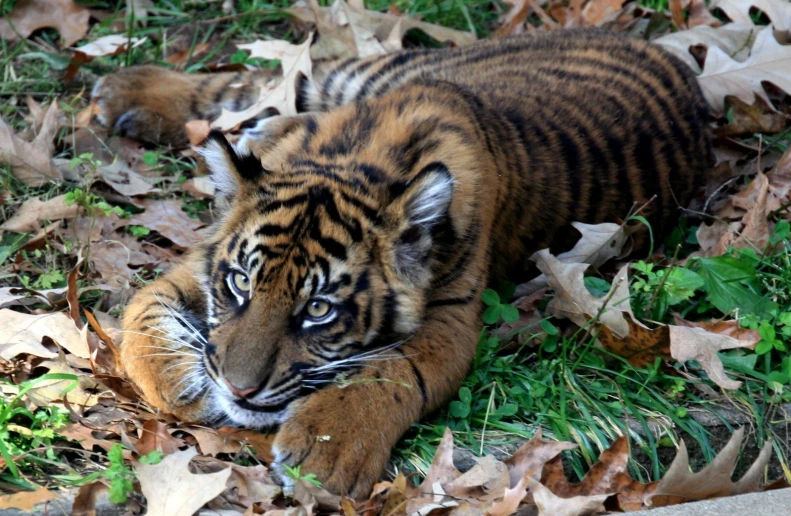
[364,41]
[752,231]
[382,24]
[551,505]
[85,393]
[201,187]
[442,471]
[640,346]
[680,485]
[598,244]
[166,218]
[85,501]
[768,61]
[118,259]
[231,440]
[608,475]
[27,217]
[110,45]
[155,436]
[598,12]
[702,346]
[511,499]
[734,38]
[170,488]
[778,12]
[68,17]
[124,180]
[197,131]
[513,22]
[22,333]
[730,328]
[295,62]
[531,457]
[180,58]
[85,437]
[31,162]
[573,301]
[26,500]
[749,119]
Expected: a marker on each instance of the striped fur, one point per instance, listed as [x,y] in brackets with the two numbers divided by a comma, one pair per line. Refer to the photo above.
[411,181]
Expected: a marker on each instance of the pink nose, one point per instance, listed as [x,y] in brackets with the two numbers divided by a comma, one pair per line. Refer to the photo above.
[242,393]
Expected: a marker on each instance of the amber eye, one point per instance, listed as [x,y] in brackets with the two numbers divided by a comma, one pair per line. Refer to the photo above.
[240,282]
[318,309]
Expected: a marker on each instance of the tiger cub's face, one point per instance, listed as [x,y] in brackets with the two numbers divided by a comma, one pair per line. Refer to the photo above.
[308,276]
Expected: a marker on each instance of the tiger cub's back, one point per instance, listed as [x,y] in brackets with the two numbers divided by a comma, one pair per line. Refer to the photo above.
[588,123]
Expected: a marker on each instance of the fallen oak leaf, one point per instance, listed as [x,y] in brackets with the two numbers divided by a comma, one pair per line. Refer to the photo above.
[295,62]
[154,436]
[749,119]
[110,45]
[166,218]
[551,505]
[573,300]
[26,219]
[702,346]
[679,485]
[641,346]
[512,498]
[531,457]
[23,333]
[598,243]
[31,162]
[69,18]
[170,488]
[768,61]
[738,11]
[26,500]
[734,38]
[731,328]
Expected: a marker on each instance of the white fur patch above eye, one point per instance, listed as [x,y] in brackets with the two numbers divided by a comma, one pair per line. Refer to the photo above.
[431,202]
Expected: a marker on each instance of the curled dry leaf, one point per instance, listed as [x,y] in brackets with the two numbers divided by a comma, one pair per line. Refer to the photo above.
[170,488]
[551,505]
[702,346]
[734,39]
[383,24]
[598,244]
[573,301]
[680,485]
[155,436]
[23,333]
[124,180]
[68,17]
[33,211]
[749,119]
[31,162]
[778,12]
[723,76]
[730,328]
[530,458]
[166,218]
[295,62]
[26,500]
[110,45]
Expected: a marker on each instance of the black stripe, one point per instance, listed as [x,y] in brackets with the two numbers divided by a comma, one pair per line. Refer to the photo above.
[451,301]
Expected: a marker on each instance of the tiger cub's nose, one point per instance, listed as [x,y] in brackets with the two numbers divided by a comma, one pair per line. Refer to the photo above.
[242,393]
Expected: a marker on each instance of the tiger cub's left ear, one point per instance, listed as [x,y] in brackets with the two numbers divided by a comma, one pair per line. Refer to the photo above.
[421,204]
[230,167]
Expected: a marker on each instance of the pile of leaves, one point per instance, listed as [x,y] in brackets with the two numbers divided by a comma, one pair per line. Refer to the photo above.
[89,217]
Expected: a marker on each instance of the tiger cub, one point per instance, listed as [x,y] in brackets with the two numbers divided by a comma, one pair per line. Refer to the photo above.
[358,236]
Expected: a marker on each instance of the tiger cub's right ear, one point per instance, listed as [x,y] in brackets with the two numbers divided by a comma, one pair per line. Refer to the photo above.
[230,167]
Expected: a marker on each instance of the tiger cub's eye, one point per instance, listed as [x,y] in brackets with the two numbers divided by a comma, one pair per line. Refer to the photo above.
[318,308]
[240,281]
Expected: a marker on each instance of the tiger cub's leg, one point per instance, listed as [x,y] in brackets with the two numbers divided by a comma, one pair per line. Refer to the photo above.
[152,104]
[344,433]
[163,341]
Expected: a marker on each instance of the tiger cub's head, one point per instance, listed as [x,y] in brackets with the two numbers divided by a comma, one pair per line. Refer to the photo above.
[321,262]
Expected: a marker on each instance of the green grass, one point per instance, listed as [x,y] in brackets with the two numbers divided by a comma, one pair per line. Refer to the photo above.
[565,385]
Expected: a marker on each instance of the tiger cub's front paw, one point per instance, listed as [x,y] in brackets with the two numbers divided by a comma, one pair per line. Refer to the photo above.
[345,456]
